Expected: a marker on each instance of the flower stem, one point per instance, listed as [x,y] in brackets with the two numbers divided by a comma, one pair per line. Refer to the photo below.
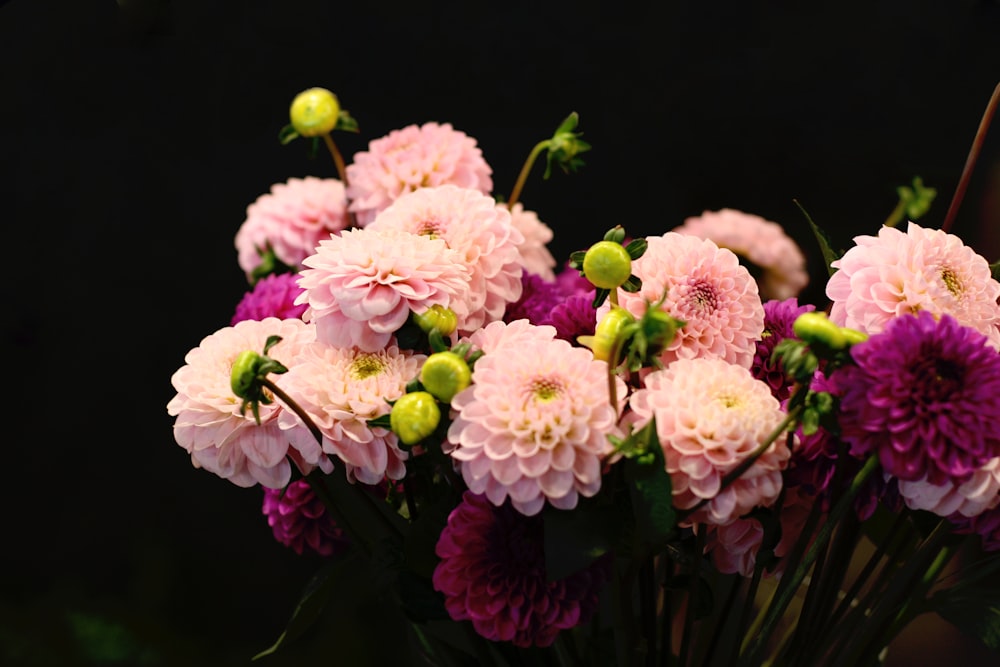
[970,161]
[338,159]
[515,194]
[692,600]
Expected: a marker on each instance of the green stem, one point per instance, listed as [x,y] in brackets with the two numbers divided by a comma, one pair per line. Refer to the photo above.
[692,601]
[525,170]
[970,161]
[338,160]
[897,214]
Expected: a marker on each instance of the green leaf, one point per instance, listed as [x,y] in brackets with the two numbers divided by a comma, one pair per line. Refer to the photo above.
[651,493]
[576,538]
[287,134]
[974,610]
[829,254]
[346,123]
[995,270]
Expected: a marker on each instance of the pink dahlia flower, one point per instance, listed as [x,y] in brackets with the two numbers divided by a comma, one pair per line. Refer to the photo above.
[896,273]
[762,242]
[508,335]
[479,231]
[710,415]
[292,219]
[299,520]
[209,424]
[341,389]
[708,289]
[535,255]
[924,396]
[533,425]
[977,494]
[411,158]
[362,285]
[492,572]
[271,296]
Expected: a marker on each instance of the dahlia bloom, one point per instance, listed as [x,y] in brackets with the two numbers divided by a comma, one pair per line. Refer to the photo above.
[299,520]
[535,255]
[779,318]
[292,218]
[896,273]
[925,396]
[710,415]
[533,425]
[501,335]
[271,296]
[574,316]
[362,285]
[492,572]
[479,231]
[761,241]
[341,389]
[708,289]
[209,424]
[539,298]
[977,494]
[414,157]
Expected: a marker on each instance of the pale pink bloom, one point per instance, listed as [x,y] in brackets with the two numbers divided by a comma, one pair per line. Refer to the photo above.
[761,241]
[499,335]
[414,157]
[708,289]
[362,285]
[293,217]
[710,415]
[979,493]
[533,425]
[472,225]
[535,255]
[341,389]
[209,424]
[897,273]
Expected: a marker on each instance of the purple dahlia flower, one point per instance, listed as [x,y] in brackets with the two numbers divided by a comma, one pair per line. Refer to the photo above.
[272,296]
[299,520]
[779,317]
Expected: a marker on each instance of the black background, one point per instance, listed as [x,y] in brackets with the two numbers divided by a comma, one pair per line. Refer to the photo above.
[136,133]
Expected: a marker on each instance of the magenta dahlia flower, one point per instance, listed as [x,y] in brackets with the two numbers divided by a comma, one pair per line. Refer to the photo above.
[539,298]
[480,232]
[925,396]
[208,421]
[362,285]
[897,273]
[574,316]
[710,415]
[299,520]
[292,218]
[492,573]
[271,296]
[779,316]
[341,389]
[533,425]
[414,157]
[705,287]
[762,242]
[535,255]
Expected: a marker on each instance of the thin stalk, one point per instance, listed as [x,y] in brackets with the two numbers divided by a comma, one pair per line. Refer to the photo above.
[809,604]
[723,620]
[338,161]
[647,608]
[926,583]
[692,599]
[667,620]
[522,177]
[624,616]
[897,214]
[970,161]
[748,602]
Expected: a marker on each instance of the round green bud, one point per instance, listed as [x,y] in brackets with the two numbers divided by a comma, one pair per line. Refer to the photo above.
[816,327]
[660,328]
[607,264]
[244,372]
[444,374]
[437,317]
[607,331]
[414,417]
[314,112]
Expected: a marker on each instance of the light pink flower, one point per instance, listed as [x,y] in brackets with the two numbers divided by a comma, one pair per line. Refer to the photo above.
[535,255]
[362,285]
[708,289]
[710,415]
[414,157]
[534,424]
[897,273]
[499,335]
[472,225]
[292,218]
[209,424]
[341,389]
[761,241]
[979,493]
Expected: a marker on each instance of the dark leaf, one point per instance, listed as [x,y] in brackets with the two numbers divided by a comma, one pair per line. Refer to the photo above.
[650,489]
[829,254]
[974,610]
[575,539]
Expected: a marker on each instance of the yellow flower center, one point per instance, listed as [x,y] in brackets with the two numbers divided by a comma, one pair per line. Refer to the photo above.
[951,281]
[366,365]
[545,389]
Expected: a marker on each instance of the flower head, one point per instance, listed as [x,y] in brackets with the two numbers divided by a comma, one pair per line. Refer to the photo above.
[535,255]
[299,520]
[977,494]
[533,426]
[925,396]
[897,273]
[362,285]
[574,316]
[291,219]
[271,296]
[492,572]
[209,422]
[539,298]
[710,415]
[779,316]
[480,232]
[414,157]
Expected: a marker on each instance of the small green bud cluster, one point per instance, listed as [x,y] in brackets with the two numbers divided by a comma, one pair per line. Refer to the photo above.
[246,378]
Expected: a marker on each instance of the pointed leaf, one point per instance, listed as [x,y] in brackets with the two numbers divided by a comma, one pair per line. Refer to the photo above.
[974,610]
[829,254]
[287,134]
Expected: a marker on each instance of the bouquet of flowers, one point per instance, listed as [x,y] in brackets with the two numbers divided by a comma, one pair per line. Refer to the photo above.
[648,452]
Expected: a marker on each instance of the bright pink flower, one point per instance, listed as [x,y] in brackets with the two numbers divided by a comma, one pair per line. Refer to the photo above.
[414,157]
[535,255]
[299,520]
[762,242]
[479,231]
[271,296]
[209,424]
[292,219]
[362,285]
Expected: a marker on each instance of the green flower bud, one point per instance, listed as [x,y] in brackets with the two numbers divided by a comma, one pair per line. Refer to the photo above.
[853,336]
[414,417]
[816,327]
[437,317]
[244,373]
[607,330]
[444,374]
[659,328]
[607,264]
[314,112]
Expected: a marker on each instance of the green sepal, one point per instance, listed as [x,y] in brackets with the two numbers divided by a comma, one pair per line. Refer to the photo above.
[600,296]
[576,260]
[437,341]
[288,134]
[381,421]
[269,264]
[616,234]
[632,285]
[573,539]
[565,147]
[636,248]
[346,123]
[829,254]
